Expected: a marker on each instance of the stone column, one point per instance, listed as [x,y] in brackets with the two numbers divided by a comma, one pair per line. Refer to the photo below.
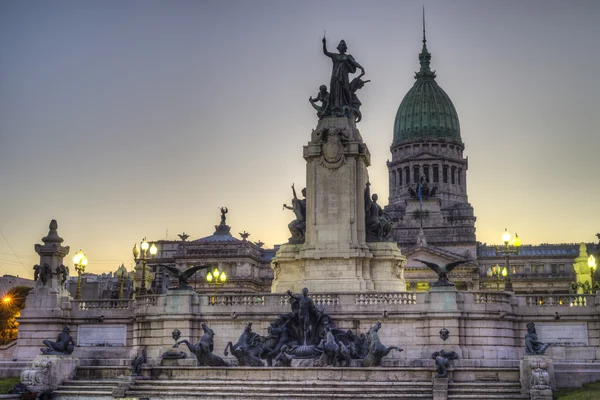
[48,305]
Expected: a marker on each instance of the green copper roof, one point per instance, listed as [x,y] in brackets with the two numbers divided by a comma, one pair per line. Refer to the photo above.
[426,112]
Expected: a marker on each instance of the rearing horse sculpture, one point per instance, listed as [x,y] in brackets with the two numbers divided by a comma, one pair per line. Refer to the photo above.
[376,349]
[243,350]
[204,348]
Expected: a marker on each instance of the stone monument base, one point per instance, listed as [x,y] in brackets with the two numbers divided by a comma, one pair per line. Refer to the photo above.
[47,372]
[537,376]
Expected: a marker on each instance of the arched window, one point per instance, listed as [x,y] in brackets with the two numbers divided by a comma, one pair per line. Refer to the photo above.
[445,174]
[416,170]
[407,174]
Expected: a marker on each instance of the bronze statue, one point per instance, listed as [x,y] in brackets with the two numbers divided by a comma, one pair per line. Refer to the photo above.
[247,349]
[298,226]
[203,350]
[36,272]
[442,272]
[532,344]
[323,97]
[377,223]
[63,272]
[184,275]
[138,361]
[341,93]
[64,344]
[305,307]
[224,211]
[45,273]
[376,349]
[442,361]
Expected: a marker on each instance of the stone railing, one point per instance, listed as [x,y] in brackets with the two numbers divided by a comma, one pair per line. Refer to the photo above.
[559,300]
[490,297]
[116,304]
[385,298]
[147,301]
[236,300]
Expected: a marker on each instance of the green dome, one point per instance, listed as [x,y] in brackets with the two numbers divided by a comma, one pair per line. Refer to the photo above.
[426,112]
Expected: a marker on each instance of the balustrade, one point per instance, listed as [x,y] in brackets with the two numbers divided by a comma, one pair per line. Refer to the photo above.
[236,300]
[490,297]
[385,298]
[560,300]
[115,304]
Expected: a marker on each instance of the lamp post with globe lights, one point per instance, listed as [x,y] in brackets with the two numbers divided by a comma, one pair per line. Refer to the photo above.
[507,251]
[145,246]
[216,278]
[592,265]
[497,273]
[79,261]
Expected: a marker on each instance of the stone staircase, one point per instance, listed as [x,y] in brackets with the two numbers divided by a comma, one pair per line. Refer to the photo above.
[289,390]
[97,389]
[485,390]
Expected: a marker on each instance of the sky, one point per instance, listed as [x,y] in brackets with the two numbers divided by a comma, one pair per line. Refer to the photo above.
[132,119]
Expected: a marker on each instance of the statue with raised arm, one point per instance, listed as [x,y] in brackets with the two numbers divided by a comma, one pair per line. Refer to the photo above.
[298,226]
[377,223]
[342,101]
[306,308]
[224,211]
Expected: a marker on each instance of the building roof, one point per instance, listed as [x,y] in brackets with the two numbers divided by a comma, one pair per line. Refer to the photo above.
[542,250]
[426,112]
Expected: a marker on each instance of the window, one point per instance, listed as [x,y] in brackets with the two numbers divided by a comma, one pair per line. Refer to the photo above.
[399,174]
[436,173]
[554,268]
[453,175]
[407,174]
[459,174]
[445,174]
[416,173]
[426,172]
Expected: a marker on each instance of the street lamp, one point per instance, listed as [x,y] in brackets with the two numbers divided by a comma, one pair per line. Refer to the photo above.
[80,261]
[121,276]
[498,273]
[216,278]
[516,242]
[136,256]
[592,265]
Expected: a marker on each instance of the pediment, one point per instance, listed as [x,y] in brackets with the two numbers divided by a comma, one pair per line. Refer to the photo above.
[425,156]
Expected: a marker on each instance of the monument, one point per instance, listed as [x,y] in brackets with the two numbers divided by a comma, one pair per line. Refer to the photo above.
[341,237]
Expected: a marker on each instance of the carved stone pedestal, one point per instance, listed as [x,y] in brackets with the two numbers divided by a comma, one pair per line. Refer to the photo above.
[47,372]
[537,376]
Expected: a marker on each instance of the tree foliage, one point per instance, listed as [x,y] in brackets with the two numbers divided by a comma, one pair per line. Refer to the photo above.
[10,310]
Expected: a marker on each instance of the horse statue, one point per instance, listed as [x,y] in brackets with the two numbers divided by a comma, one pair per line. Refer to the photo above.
[376,349]
[248,343]
[330,348]
[204,348]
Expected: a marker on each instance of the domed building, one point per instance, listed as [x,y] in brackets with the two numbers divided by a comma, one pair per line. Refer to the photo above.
[428,202]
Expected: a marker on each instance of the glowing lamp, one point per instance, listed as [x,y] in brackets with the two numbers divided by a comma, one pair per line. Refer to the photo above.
[223,277]
[145,245]
[77,257]
[6,299]
[506,236]
[517,241]
[592,263]
[136,251]
[504,272]
[153,249]
[209,277]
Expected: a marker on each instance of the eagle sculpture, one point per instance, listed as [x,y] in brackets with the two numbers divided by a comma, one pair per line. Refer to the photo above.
[184,275]
[442,272]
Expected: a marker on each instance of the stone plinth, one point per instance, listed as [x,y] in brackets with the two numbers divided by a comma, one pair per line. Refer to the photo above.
[440,388]
[47,372]
[537,375]
[443,298]
[335,256]
[387,267]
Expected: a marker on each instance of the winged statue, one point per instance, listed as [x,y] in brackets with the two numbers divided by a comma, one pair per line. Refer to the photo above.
[184,275]
[442,271]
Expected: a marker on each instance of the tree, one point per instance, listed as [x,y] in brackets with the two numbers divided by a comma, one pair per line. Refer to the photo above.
[11,305]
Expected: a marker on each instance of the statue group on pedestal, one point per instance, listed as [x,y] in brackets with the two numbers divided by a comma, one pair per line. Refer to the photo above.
[307,332]
[44,273]
[341,99]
